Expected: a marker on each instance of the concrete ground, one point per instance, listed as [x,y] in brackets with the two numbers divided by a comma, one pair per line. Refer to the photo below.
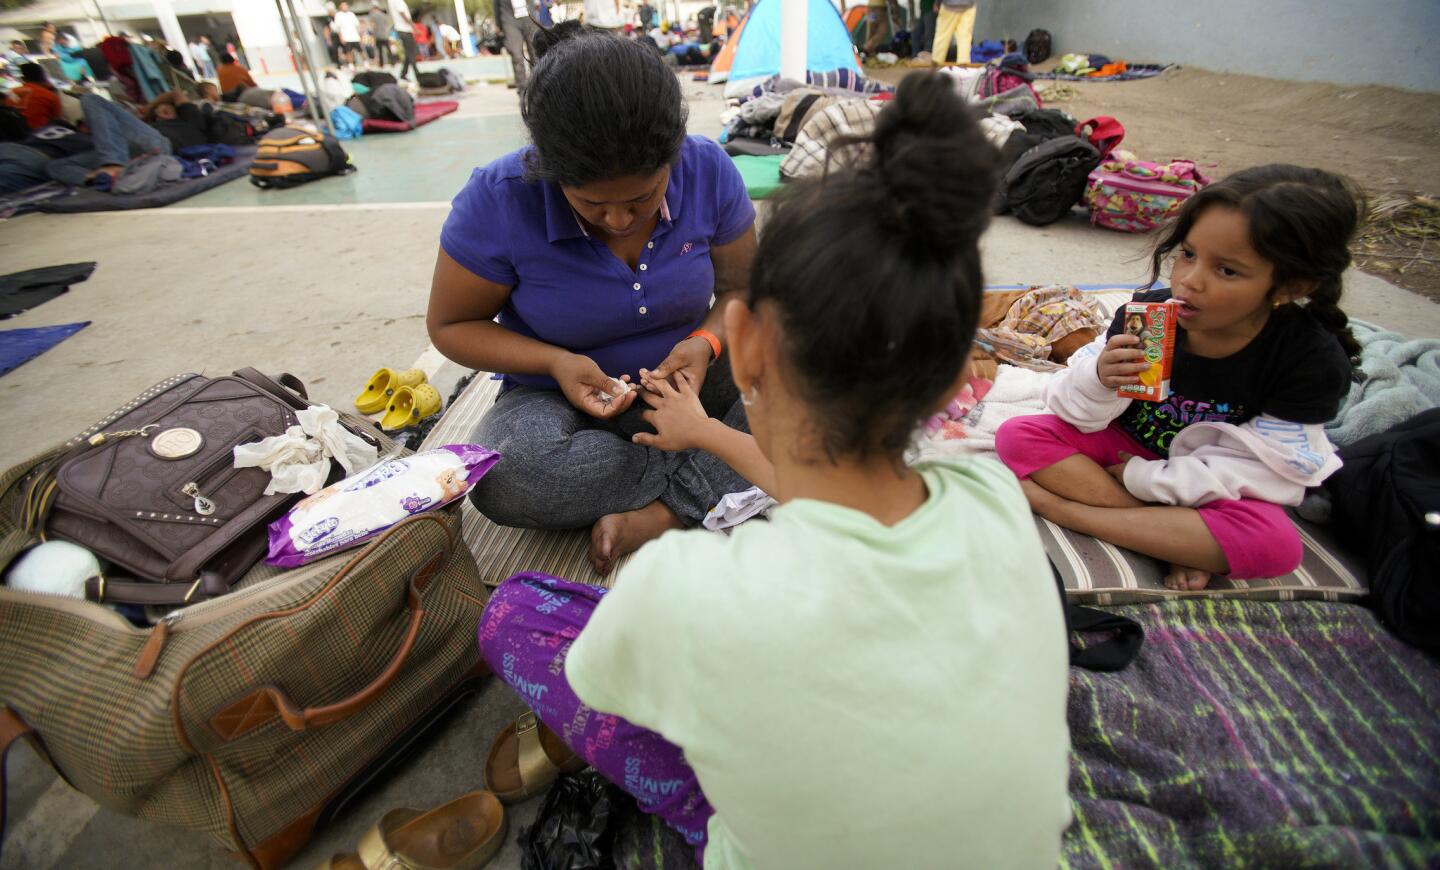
[329,281]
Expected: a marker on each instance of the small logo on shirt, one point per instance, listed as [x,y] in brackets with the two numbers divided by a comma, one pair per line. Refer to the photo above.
[686,248]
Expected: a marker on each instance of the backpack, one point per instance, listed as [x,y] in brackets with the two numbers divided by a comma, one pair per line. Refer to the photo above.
[290,156]
[1048,123]
[1037,46]
[1136,196]
[431,80]
[798,108]
[1385,504]
[1048,180]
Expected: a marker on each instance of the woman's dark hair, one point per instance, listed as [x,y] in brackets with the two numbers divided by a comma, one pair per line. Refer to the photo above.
[1301,221]
[226,57]
[874,271]
[33,73]
[598,107]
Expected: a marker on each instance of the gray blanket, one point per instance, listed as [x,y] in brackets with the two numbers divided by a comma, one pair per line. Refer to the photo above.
[1402,378]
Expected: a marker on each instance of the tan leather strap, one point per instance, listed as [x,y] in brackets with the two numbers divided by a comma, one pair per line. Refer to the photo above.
[531,761]
[301,718]
[376,854]
[12,728]
[257,707]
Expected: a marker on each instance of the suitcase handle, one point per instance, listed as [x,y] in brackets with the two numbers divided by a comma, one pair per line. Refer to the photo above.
[299,719]
[259,706]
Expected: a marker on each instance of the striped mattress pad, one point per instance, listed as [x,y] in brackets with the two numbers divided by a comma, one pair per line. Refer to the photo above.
[1092,570]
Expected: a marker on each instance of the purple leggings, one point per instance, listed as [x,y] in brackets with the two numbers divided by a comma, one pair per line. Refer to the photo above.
[525,634]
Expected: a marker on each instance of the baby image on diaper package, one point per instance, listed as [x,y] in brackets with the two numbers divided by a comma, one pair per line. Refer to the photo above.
[356,509]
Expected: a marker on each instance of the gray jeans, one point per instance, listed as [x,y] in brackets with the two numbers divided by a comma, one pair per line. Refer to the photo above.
[560,468]
[517,32]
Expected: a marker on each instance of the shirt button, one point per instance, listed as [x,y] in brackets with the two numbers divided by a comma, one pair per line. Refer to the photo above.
[643,309]
[643,267]
[637,286]
[649,244]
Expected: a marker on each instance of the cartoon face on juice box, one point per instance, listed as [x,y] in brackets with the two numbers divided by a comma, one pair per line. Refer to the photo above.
[1154,324]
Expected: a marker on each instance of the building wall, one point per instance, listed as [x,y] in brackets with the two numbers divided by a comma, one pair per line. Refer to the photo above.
[1353,42]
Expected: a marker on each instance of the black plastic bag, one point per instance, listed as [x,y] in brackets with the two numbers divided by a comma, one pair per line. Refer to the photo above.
[575,828]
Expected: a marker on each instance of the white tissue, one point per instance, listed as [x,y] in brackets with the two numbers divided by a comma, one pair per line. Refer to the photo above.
[737,507]
[299,460]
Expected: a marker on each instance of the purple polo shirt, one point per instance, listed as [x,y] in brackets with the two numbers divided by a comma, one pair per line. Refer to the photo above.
[568,289]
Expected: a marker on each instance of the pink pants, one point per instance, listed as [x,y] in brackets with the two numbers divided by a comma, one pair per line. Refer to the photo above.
[1257,537]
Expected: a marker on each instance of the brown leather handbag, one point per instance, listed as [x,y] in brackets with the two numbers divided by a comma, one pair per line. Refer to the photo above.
[153,488]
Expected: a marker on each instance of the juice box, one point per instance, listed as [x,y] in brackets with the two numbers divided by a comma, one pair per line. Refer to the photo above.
[1154,323]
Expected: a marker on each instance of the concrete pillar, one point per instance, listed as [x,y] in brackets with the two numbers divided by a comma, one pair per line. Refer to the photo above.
[794,38]
[170,26]
[463,17]
[257,26]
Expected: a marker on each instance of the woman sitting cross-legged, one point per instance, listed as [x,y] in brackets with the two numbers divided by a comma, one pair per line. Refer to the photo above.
[599,247]
[875,677]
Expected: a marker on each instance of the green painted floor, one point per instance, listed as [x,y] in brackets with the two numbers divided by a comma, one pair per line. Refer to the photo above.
[428,164]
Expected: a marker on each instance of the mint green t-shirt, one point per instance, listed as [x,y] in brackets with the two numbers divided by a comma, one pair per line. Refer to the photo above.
[851,694]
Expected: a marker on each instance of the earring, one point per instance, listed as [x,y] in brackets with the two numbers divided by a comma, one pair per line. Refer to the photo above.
[750,396]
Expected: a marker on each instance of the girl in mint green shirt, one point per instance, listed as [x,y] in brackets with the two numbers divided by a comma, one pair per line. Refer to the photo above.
[875,677]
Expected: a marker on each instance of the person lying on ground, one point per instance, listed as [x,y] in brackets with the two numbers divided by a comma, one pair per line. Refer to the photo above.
[877,676]
[177,119]
[112,136]
[1262,362]
[36,99]
[232,76]
[600,247]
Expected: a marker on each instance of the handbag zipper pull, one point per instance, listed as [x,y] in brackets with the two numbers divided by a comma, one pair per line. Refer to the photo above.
[203,506]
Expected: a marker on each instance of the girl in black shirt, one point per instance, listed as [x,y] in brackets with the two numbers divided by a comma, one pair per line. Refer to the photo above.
[1262,362]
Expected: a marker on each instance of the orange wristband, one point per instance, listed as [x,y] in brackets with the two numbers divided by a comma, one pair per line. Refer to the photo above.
[710,337]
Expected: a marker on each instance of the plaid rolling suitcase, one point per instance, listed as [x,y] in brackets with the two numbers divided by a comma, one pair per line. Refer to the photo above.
[248,716]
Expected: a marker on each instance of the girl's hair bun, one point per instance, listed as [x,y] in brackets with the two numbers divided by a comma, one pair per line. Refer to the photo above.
[939,170]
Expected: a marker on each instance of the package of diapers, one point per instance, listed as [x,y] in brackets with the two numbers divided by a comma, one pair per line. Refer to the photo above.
[358,508]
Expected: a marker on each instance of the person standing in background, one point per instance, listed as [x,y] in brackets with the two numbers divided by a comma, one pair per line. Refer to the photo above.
[347,28]
[512,17]
[200,53]
[955,23]
[922,32]
[404,31]
[47,39]
[380,28]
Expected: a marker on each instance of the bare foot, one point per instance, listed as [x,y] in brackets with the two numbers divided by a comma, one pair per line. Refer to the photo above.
[111,170]
[1183,579]
[617,535]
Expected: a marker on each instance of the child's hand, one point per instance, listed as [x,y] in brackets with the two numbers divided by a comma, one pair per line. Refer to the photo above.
[676,413]
[1121,362]
[1117,470]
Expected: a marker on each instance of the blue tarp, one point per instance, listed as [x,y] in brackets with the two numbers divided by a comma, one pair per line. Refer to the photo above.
[19,346]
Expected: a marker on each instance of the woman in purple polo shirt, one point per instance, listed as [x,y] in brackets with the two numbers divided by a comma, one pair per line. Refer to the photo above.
[575,264]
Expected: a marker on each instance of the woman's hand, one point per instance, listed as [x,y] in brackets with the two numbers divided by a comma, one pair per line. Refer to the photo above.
[690,357]
[591,390]
[679,419]
[1121,362]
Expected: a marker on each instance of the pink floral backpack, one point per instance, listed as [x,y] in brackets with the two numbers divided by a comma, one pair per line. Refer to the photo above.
[1136,196]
